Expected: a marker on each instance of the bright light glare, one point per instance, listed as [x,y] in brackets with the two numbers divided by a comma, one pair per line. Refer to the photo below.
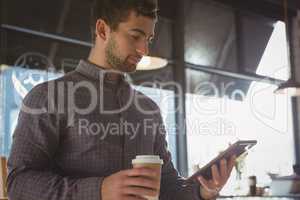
[274,62]
[151,63]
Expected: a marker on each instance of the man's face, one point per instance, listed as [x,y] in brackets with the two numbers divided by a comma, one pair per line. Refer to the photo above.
[126,46]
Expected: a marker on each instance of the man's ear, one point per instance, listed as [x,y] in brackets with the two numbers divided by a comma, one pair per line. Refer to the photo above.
[102,29]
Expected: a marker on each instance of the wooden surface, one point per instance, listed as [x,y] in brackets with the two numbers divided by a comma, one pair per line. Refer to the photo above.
[3,175]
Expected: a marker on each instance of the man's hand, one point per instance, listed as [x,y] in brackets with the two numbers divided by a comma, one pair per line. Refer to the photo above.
[210,189]
[130,184]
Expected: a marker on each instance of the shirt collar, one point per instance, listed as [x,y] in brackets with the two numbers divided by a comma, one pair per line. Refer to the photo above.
[97,72]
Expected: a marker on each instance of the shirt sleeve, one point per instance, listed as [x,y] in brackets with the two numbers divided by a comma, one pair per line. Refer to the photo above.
[35,141]
[173,186]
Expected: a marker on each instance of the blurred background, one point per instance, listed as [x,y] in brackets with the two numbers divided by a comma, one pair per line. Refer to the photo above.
[228,56]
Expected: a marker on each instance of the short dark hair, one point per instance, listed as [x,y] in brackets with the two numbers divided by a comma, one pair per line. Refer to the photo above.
[113,12]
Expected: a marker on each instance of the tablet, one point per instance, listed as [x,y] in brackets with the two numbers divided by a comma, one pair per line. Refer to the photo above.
[239,148]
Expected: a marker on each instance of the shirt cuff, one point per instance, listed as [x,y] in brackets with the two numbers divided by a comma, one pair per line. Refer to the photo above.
[89,189]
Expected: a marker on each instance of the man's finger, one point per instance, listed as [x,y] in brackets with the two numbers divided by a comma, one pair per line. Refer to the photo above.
[223,169]
[204,183]
[141,172]
[142,182]
[140,191]
[215,175]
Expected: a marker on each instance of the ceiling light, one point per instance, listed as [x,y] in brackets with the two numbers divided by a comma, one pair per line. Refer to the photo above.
[151,63]
[290,87]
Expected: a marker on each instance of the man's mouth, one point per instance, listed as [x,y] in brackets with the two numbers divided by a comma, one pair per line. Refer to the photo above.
[135,59]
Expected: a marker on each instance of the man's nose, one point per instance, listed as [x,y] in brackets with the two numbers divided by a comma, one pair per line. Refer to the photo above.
[143,49]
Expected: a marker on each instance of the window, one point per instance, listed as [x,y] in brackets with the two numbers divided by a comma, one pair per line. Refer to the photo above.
[213,123]
[16,83]
[274,62]
[218,36]
[221,110]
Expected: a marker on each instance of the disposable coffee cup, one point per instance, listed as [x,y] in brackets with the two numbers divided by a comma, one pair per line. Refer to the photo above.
[153,162]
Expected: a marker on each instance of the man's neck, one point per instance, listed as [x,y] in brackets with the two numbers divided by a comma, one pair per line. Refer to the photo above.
[98,60]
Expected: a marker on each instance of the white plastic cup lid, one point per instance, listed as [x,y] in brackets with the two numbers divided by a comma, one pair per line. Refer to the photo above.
[151,159]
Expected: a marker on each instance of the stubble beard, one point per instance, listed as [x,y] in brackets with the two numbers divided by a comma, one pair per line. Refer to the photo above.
[113,57]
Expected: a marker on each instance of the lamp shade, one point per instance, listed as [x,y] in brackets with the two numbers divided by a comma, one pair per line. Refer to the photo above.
[151,63]
[290,87]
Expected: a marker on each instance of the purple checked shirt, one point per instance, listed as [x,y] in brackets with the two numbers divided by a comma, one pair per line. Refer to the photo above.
[66,140]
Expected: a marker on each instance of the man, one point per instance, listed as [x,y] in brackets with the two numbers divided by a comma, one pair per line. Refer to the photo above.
[67,144]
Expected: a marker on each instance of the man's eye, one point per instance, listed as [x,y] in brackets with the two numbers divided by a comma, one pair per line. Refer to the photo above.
[135,37]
